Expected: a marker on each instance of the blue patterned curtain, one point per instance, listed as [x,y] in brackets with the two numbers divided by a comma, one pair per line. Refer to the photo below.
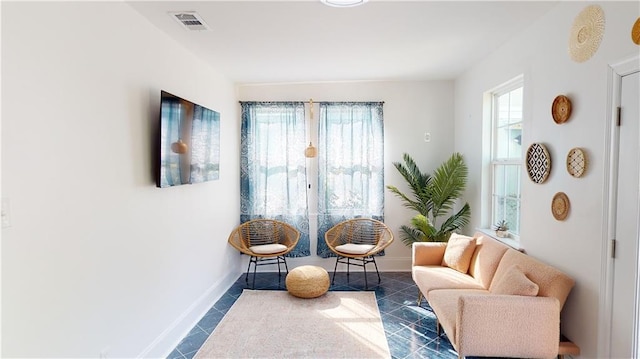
[172,113]
[273,181]
[205,144]
[350,165]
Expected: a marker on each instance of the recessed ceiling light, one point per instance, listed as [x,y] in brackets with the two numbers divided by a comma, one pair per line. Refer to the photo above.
[343,3]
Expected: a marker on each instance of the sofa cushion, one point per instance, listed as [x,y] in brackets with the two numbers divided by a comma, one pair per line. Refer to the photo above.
[551,281]
[458,253]
[486,258]
[514,282]
[427,253]
[445,303]
[429,278]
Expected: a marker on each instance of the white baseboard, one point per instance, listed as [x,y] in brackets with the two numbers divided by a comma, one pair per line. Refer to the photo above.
[167,341]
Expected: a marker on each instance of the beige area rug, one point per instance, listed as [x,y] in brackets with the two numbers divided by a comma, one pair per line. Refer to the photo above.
[275,324]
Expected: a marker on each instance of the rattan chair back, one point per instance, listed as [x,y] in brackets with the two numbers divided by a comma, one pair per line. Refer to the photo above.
[359,231]
[264,231]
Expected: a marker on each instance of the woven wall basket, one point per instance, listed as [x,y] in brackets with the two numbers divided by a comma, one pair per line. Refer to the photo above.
[635,32]
[538,162]
[576,162]
[561,109]
[586,33]
[560,206]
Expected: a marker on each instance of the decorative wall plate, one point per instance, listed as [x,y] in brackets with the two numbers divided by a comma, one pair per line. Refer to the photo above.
[576,162]
[586,33]
[538,162]
[635,32]
[560,206]
[561,109]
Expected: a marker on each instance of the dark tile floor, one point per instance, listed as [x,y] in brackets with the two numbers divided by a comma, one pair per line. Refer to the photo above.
[410,330]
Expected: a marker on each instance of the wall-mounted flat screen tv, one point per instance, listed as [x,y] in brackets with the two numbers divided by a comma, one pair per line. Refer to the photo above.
[189,142]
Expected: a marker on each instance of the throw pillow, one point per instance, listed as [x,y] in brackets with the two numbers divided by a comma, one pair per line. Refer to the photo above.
[458,253]
[515,282]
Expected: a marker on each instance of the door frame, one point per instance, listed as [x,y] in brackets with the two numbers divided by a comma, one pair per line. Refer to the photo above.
[614,80]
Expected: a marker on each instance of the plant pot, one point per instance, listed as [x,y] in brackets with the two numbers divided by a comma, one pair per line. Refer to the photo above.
[502,234]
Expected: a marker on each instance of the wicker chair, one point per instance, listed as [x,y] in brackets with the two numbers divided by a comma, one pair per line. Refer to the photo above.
[266,241]
[358,240]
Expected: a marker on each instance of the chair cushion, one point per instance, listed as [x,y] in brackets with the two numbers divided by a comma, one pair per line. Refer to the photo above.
[458,253]
[351,248]
[515,282]
[268,248]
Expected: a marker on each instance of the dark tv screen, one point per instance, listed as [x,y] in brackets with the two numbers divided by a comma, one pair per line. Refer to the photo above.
[189,142]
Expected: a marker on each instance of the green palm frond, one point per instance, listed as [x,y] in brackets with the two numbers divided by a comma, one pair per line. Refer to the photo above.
[417,181]
[458,220]
[408,235]
[407,202]
[421,223]
[449,182]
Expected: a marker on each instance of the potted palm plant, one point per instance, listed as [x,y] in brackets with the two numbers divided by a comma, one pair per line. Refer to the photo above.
[433,197]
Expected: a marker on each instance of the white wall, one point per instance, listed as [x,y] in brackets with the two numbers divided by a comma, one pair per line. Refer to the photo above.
[540,53]
[97,258]
[410,109]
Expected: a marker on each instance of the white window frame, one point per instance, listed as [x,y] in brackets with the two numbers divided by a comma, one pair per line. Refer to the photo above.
[511,161]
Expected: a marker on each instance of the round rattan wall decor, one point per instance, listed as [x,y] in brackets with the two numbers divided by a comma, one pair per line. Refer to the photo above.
[576,162]
[560,206]
[635,32]
[586,33]
[561,109]
[538,162]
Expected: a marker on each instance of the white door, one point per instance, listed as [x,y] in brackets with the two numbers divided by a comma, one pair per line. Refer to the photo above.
[625,279]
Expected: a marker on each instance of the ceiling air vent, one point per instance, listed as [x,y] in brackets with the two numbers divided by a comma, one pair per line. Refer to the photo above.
[190,20]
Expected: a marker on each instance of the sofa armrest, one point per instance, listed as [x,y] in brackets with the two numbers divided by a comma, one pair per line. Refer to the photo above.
[427,253]
[508,326]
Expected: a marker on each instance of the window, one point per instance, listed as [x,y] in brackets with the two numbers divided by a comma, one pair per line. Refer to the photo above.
[273,166]
[350,164]
[273,181]
[506,154]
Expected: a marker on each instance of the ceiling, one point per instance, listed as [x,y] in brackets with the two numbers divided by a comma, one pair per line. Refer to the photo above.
[307,41]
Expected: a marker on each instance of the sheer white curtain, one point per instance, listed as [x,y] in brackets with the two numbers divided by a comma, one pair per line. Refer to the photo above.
[273,182]
[351,164]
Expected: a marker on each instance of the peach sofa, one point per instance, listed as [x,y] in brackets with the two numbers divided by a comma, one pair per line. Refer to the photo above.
[490,299]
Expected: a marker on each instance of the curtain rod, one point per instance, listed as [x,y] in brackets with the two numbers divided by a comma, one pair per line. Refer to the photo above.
[316,101]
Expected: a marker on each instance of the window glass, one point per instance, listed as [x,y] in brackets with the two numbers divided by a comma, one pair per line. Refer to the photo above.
[506,155]
[350,164]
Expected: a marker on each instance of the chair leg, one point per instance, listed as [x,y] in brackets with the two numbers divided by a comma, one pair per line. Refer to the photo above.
[278,261]
[333,278]
[376,265]
[348,265]
[246,277]
[364,268]
[285,264]
[255,266]
[419,297]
